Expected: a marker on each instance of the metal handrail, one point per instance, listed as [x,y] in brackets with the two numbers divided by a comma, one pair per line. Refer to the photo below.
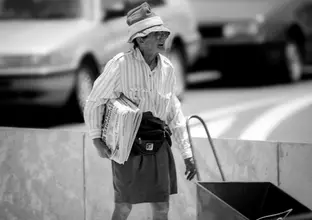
[210,141]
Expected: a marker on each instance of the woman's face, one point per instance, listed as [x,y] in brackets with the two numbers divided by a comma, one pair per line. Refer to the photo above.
[154,42]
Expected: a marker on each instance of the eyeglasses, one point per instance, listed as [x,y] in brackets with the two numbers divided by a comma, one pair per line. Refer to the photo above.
[161,35]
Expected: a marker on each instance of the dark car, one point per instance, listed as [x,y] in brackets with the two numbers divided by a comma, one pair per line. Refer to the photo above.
[244,36]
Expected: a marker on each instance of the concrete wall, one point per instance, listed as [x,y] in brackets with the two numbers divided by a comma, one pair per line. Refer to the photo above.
[53,175]
[41,175]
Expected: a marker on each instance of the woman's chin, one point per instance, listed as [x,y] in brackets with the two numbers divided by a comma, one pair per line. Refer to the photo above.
[161,48]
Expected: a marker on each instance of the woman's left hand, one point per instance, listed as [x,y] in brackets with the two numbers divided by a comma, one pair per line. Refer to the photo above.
[190,168]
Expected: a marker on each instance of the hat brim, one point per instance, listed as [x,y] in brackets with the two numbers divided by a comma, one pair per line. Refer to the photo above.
[144,33]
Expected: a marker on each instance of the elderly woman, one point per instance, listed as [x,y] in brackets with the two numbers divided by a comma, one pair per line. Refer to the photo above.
[146,77]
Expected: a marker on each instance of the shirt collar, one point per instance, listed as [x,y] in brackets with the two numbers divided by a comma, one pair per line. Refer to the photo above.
[138,55]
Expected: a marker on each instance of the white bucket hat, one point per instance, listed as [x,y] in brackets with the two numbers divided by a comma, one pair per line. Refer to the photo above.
[142,21]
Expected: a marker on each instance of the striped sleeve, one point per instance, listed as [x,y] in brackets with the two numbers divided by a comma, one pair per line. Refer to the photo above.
[105,87]
[177,123]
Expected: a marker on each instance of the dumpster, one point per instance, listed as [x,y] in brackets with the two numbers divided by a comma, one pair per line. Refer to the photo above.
[242,200]
[245,200]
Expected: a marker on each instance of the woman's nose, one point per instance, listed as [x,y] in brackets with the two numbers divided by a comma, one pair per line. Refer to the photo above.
[162,37]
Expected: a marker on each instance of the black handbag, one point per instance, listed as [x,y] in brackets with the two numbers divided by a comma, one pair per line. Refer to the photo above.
[152,134]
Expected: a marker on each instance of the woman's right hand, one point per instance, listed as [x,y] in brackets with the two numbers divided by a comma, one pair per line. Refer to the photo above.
[102,148]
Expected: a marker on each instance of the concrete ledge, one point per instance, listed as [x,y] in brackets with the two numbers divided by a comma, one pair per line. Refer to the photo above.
[240,160]
[294,171]
[46,174]
[41,175]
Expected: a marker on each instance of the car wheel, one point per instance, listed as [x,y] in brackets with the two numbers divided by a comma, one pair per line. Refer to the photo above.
[85,77]
[84,84]
[292,63]
[177,60]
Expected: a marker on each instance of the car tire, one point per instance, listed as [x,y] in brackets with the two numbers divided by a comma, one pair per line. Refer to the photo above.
[85,77]
[178,62]
[292,64]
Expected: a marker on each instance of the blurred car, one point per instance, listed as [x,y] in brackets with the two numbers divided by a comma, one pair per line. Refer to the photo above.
[244,36]
[51,51]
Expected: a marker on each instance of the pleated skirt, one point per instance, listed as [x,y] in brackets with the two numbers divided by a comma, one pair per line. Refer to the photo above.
[145,178]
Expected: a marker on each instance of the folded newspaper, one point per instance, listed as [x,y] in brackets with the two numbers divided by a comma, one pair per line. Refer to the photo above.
[120,125]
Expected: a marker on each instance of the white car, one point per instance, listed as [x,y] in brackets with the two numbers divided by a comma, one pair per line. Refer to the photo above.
[51,51]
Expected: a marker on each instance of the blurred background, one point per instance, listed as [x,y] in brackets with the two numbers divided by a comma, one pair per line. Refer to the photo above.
[240,64]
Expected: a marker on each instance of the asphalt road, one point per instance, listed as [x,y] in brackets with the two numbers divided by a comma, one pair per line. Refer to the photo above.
[273,113]
[280,112]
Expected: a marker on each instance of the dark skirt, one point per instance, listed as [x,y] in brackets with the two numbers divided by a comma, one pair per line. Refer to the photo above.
[145,178]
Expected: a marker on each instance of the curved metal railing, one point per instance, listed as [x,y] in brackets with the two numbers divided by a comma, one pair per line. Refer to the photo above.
[210,142]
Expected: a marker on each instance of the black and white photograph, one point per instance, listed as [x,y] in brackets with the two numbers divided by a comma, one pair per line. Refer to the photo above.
[155,109]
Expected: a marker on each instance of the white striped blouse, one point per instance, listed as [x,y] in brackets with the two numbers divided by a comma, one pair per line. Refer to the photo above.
[153,91]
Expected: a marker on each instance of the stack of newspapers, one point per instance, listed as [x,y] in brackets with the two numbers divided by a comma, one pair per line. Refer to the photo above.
[120,125]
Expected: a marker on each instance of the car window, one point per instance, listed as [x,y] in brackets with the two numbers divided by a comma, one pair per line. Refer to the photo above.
[40,9]
[305,14]
[113,9]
